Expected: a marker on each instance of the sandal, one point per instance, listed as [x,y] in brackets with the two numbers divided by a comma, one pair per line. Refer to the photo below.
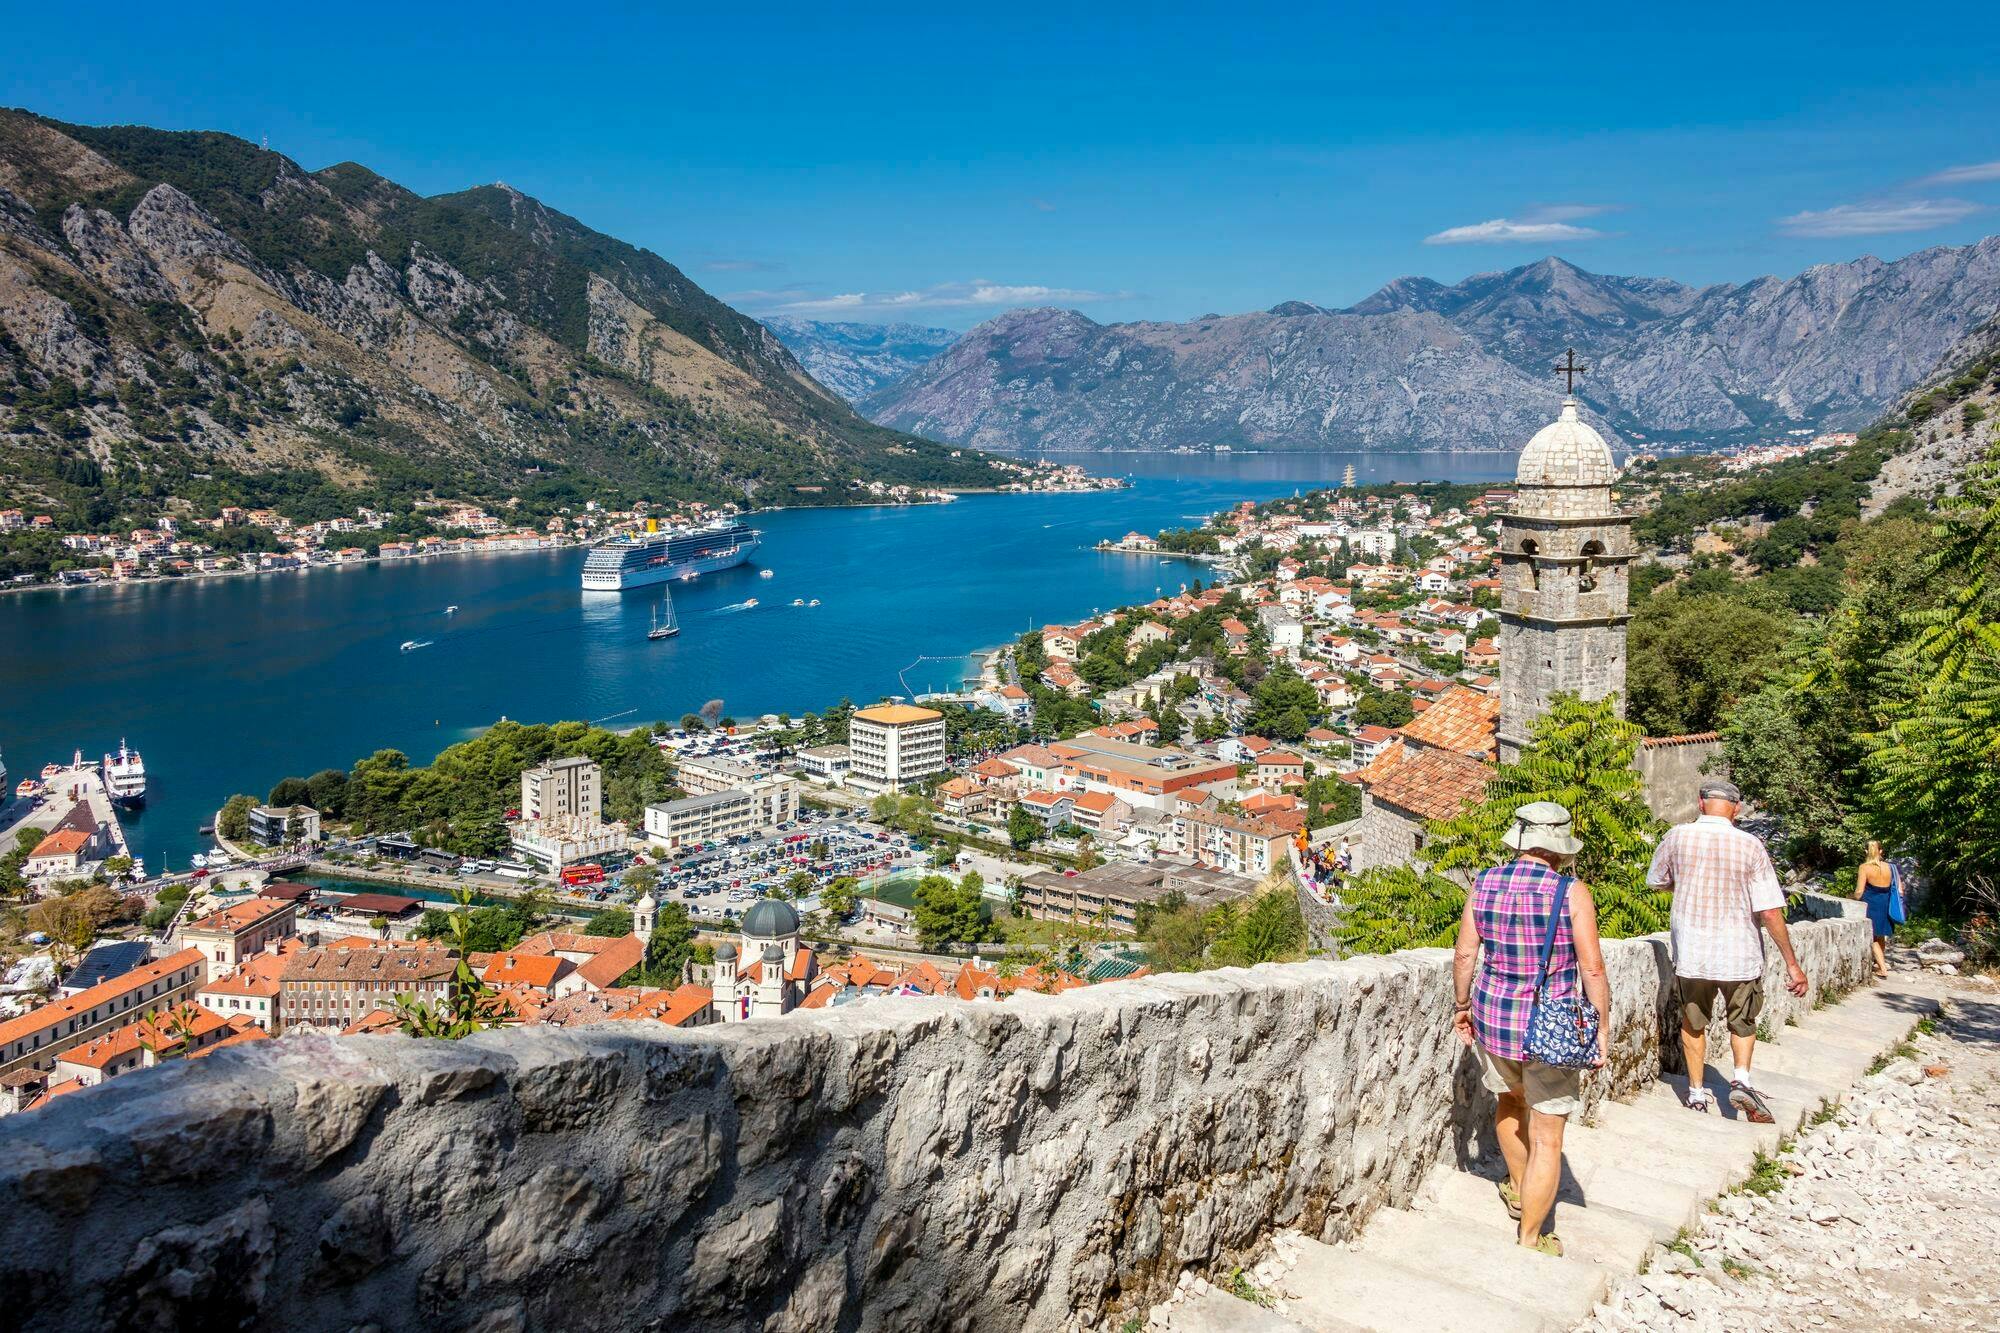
[1511,1197]
[1550,1245]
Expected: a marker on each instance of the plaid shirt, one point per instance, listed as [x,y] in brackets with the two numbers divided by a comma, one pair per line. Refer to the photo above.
[1510,907]
[1721,878]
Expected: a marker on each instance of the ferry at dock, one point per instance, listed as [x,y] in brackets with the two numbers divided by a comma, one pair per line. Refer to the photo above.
[638,559]
[125,777]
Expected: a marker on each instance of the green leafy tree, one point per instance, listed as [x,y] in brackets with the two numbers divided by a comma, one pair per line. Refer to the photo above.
[1383,708]
[613,922]
[839,899]
[1693,657]
[1023,829]
[671,947]
[1580,755]
[234,821]
[1272,930]
[799,884]
[948,913]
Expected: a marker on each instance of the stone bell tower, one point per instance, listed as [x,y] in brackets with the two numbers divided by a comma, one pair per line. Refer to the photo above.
[1565,564]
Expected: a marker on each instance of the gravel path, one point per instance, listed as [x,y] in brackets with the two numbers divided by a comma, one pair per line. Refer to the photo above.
[1885,1216]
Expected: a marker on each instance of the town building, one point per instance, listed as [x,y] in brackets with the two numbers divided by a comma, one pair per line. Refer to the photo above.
[1142,776]
[1565,557]
[1238,844]
[693,820]
[563,789]
[1112,894]
[330,987]
[34,1039]
[229,935]
[251,991]
[895,746]
[282,825]
[184,1030]
[826,763]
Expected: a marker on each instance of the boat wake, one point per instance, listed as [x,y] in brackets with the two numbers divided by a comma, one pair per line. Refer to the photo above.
[746,605]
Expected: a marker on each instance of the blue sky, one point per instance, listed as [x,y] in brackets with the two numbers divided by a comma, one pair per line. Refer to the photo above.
[906,162]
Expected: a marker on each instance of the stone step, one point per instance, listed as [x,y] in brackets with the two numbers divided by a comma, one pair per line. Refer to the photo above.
[1704,1167]
[1659,1114]
[1562,1289]
[1599,1234]
[1216,1311]
[1666,1206]
[1812,1063]
[1328,1288]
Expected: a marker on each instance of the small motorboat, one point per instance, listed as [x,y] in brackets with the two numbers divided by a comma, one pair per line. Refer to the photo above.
[798,601]
[813,602]
[749,602]
[411,645]
[451,610]
[198,861]
[765,573]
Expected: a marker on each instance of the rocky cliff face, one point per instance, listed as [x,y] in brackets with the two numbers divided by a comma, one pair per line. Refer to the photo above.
[1421,365]
[1052,379]
[179,308]
[857,360]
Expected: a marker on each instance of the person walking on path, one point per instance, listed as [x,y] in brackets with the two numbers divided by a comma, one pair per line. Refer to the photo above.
[1508,914]
[1875,885]
[1724,888]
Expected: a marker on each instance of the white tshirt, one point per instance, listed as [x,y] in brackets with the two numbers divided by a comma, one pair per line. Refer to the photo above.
[1721,878]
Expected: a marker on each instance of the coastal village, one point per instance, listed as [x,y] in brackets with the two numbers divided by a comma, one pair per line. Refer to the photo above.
[239,540]
[1343,677]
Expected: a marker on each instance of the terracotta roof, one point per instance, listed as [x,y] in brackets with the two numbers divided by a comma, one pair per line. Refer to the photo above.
[1431,784]
[239,917]
[619,955]
[1462,720]
[36,1020]
[68,1085]
[375,1022]
[200,1022]
[1692,738]
[538,970]
[241,1037]
[1098,802]
[66,843]
[993,768]
[383,967]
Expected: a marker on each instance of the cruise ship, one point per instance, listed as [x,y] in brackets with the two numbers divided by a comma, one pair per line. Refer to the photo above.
[634,561]
[125,776]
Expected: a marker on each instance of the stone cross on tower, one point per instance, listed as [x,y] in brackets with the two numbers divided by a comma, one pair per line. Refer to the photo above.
[1565,557]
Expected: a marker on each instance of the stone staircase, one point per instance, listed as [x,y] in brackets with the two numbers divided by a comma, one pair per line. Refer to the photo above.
[1635,1173]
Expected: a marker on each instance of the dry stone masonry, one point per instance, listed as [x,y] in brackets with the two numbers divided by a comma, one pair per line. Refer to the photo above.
[1054,1162]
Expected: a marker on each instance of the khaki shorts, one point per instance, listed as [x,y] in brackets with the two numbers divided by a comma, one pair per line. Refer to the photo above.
[1743,1002]
[1546,1089]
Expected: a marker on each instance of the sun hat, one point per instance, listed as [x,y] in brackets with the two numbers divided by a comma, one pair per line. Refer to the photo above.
[1720,789]
[1543,826]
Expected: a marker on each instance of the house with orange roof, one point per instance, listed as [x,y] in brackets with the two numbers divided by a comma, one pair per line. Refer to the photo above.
[63,854]
[600,960]
[251,991]
[232,934]
[181,1030]
[1100,812]
[33,1040]
[1279,769]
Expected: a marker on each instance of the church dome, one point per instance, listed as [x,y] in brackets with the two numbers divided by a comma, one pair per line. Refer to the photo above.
[1567,452]
[769,919]
[725,952]
[773,954]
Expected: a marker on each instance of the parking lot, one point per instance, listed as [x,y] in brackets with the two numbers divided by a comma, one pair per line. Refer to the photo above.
[722,880]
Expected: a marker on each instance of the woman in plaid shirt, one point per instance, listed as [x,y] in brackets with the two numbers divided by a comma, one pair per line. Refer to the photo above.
[1507,914]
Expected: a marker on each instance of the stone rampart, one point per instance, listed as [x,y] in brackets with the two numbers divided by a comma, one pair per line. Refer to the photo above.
[1048,1162]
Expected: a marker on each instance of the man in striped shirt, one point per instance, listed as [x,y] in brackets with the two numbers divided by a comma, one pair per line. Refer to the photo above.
[1724,889]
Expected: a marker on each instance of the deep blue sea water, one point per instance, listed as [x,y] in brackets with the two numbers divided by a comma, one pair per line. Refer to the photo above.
[229,684]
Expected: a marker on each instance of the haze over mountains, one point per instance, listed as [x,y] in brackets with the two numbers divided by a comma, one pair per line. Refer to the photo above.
[856,360]
[187,310]
[1421,365]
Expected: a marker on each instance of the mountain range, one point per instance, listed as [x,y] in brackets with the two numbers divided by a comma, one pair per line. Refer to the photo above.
[1421,365]
[187,314]
[856,360]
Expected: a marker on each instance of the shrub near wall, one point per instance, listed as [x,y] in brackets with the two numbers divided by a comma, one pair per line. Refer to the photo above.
[896,1165]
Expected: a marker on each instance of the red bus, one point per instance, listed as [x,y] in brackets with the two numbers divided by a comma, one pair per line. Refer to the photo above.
[588,873]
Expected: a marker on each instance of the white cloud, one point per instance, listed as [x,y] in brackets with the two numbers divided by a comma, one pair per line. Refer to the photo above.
[1877,217]
[942,296]
[1539,225]
[1971,174]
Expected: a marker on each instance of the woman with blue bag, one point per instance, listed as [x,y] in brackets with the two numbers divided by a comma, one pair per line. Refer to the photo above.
[1536,1005]
[1880,887]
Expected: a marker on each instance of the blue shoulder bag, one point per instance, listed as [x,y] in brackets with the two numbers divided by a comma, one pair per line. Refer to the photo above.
[1897,912]
[1562,1029]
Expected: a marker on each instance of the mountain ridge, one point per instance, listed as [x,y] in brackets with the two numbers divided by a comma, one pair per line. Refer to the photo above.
[184,314]
[1830,348]
[857,360]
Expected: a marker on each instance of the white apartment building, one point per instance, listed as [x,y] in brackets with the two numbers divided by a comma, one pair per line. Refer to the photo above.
[895,745]
[563,789]
[692,820]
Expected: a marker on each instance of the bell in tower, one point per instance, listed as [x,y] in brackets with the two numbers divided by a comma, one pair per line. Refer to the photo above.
[1565,563]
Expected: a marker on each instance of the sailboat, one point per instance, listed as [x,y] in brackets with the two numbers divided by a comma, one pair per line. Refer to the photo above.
[664,629]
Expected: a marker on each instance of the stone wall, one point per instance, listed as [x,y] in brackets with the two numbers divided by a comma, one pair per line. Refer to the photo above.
[907,1164]
[1673,768]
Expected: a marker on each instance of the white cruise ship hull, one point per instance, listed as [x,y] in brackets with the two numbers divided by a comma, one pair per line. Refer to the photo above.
[642,575]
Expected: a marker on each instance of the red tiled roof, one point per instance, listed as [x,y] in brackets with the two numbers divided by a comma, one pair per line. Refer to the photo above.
[1431,784]
[1462,720]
